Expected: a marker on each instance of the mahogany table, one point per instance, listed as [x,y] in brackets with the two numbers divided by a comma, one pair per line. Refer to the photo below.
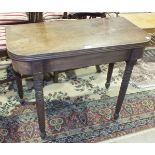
[36,49]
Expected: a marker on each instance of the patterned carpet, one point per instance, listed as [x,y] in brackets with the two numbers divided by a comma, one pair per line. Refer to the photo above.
[81,110]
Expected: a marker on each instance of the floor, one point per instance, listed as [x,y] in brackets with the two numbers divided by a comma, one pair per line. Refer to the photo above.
[147,136]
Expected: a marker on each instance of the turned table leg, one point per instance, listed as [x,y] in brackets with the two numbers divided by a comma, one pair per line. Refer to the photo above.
[38,86]
[109,75]
[124,85]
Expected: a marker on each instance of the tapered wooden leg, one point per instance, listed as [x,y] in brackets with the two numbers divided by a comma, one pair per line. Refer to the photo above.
[98,69]
[38,86]
[124,85]
[18,78]
[109,75]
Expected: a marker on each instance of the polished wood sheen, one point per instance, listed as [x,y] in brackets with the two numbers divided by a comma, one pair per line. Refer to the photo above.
[36,49]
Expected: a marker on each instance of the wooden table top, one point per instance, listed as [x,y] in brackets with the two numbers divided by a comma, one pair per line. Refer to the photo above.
[64,36]
[142,20]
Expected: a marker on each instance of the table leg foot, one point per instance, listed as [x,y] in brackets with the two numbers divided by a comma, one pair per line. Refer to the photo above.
[116,116]
[107,85]
[22,102]
[43,135]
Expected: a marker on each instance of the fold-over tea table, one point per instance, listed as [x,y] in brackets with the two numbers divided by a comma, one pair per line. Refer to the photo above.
[36,49]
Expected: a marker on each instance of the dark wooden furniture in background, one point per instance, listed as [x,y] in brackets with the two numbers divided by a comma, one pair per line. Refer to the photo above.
[35,17]
[84,15]
[36,49]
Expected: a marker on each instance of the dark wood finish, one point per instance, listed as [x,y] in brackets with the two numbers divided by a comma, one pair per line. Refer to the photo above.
[125,81]
[37,68]
[109,75]
[46,47]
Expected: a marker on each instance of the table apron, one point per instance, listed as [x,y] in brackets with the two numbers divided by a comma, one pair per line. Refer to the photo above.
[84,60]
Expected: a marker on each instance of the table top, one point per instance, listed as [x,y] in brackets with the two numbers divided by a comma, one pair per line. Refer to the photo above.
[60,37]
[142,20]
